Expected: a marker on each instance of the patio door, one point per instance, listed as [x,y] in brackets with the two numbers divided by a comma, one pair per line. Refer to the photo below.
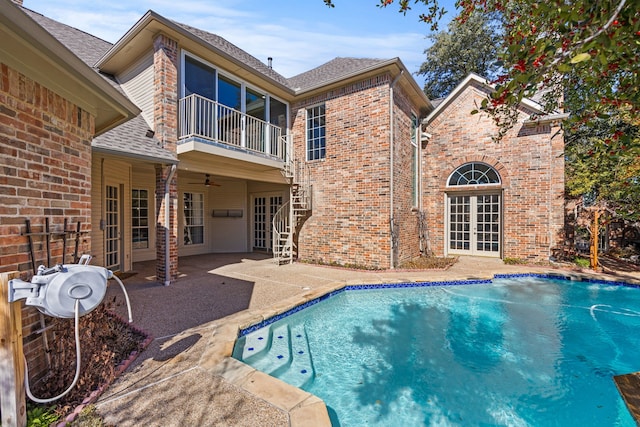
[264,209]
[474,224]
[112,228]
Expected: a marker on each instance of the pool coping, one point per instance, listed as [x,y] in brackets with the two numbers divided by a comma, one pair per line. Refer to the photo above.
[304,408]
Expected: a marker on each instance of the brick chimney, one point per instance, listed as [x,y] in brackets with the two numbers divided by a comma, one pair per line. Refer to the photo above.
[18,2]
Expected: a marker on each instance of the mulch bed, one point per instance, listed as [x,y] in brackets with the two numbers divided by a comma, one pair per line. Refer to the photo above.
[109,344]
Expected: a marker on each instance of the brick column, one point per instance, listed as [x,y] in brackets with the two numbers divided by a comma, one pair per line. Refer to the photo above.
[165,65]
[162,201]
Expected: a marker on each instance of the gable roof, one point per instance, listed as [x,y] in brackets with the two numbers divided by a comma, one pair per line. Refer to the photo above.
[474,78]
[139,39]
[32,50]
[126,139]
[234,51]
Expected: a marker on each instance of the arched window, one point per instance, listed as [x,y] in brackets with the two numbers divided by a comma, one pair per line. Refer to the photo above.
[474,174]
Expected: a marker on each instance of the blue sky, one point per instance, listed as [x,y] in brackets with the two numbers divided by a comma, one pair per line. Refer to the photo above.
[299,35]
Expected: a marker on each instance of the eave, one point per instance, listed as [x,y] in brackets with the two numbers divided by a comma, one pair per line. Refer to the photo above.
[31,50]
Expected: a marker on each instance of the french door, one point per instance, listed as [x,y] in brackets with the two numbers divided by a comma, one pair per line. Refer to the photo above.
[264,209]
[112,228]
[474,224]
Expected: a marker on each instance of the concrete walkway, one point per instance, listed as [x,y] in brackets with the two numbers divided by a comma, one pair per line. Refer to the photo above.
[186,377]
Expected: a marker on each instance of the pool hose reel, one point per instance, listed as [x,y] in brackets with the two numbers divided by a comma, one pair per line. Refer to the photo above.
[54,291]
[65,291]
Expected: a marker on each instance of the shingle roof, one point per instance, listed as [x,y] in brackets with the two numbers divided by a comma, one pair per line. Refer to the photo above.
[85,46]
[127,139]
[330,71]
[130,139]
[235,52]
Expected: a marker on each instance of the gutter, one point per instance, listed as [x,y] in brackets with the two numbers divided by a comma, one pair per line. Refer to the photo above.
[391,159]
[134,156]
[167,224]
[549,118]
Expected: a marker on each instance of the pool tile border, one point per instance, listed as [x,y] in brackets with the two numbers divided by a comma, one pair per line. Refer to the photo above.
[358,287]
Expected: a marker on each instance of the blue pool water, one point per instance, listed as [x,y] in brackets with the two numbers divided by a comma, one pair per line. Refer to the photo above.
[517,352]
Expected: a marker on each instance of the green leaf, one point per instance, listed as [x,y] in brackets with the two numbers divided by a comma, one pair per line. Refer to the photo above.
[564,68]
[581,57]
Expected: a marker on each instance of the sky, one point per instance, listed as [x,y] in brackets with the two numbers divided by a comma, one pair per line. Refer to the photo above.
[298,34]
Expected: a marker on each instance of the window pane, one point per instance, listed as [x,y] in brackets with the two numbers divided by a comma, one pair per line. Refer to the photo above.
[255,104]
[229,93]
[199,79]
[193,211]
[316,131]
[474,174]
[277,113]
[139,219]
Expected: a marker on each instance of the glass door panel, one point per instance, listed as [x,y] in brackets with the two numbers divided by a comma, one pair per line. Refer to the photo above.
[474,224]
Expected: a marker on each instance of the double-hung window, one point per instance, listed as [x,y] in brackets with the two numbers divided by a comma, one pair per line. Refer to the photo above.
[193,211]
[316,133]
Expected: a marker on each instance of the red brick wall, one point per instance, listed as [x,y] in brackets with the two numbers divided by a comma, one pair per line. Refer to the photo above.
[404,208]
[166,130]
[350,222]
[45,158]
[351,193]
[529,161]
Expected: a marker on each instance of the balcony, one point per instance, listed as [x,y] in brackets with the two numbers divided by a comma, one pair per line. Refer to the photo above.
[210,122]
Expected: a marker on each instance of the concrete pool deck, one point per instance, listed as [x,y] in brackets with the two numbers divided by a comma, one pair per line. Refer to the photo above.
[186,377]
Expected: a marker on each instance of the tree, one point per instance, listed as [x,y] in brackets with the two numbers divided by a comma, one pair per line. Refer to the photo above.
[556,45]
[466,47]
[603,169]
[603,165]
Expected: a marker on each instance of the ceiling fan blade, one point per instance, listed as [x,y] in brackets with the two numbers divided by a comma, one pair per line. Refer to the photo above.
[207,182]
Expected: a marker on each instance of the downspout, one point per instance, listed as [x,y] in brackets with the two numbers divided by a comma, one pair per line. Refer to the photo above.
[167,225]
[391,158]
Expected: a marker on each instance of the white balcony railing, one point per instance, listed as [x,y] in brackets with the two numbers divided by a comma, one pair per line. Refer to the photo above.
[209,120]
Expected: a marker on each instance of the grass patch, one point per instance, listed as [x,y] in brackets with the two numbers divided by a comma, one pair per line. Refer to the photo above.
[582,262]
[514,261]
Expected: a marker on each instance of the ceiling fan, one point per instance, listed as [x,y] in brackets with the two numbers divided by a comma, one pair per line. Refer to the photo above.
[207,182]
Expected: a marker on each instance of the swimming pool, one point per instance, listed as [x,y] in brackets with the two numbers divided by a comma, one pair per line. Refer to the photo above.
[512,351]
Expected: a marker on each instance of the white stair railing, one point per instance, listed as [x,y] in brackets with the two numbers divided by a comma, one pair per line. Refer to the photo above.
[290,216]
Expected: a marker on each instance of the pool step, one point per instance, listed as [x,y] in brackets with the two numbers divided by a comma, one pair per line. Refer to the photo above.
[300,372]
[280,351]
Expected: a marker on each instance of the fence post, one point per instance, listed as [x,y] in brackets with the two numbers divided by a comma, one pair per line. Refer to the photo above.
[12,392]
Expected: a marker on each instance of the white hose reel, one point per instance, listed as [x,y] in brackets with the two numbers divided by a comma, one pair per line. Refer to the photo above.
[54,291]
[65,291]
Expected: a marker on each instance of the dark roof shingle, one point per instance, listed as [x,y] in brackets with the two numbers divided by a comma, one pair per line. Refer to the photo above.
[235,52]
[130,139]
[330,71]
[85,46]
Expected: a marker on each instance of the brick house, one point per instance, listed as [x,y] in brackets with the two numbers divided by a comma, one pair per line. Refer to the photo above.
[500,199]
[51,106]
[331,166]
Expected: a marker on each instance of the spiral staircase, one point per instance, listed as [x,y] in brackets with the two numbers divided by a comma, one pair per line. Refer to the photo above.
[289,218]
